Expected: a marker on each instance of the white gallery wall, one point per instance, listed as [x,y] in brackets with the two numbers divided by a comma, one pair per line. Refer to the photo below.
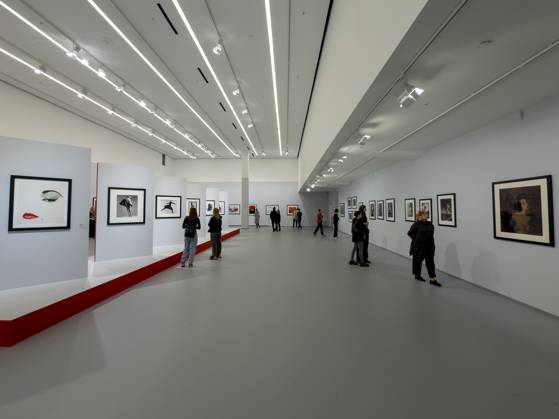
[29,117]
[168,231]
[510,148]
[39,257]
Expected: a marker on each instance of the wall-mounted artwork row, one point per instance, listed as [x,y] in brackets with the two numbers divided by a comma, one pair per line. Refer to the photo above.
[39,203]
[409,209]
[168,206]
[446,210]
[523,210]
[234,209]
[126,206]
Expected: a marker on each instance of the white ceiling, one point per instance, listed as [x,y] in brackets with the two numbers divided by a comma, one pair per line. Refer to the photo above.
[452,70]
[241,27]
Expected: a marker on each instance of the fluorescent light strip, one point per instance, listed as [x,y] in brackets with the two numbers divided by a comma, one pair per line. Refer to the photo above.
[273,65]
[208,64]
[156,71]
[86,64]
[79,92]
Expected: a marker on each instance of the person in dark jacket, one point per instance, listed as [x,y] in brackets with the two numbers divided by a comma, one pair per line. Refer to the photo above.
[422,247]
[335,221]
[274,219]
[357,234]
[190,224]
[363,211]
[319,219]
[278,220]
[215,234]
[299,217]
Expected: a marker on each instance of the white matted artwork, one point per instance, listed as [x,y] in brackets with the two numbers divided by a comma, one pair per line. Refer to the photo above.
[192,203]
[426,206]
[269,208]
[126,206]
[380,210]
[210,205]
[234,209]
[221,207]
[409,209]
[373,210]
[446,209]
[39,203]
[391,210]
[168,206]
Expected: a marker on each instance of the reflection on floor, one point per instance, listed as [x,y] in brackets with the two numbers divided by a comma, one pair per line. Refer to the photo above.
[283,328]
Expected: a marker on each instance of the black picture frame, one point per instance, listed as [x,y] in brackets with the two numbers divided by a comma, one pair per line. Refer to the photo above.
[342,208]
[349,201]
[178,215]
[545,180]
[13,180]
[354,202]
[187,205]
[440,212]
[221,207]
[234,209]
[406,202]
[380,210]
[430,201]
[110,188]
[208,211]
[373,210]
[393,202]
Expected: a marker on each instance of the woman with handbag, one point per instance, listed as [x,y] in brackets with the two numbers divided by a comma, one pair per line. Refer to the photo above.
[190,224]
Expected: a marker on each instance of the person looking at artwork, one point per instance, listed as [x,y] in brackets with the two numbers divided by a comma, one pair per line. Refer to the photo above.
[319,219]
[363,211]
[257,218]
[278,220]
[294,215]
[274,219]
[357,234]
[335,221]
[422,248]
[215,234]
[190,225]
[299,217]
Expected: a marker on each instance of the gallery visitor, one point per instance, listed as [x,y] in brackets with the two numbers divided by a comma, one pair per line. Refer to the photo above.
[335,221]
[278,220]
[256,218]
[363,211]
[357,234]
[190,225]
[422,247]
[319,219]
[274,219]
[294,215]
[215,234]
[299,217]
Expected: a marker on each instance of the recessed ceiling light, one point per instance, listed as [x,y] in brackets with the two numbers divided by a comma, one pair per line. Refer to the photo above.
[244,111]
[313,186]
[218,49]
[340,160]
[344,157]
[250,125]
[409,95]
[308,189]
[101,72]
[236,92]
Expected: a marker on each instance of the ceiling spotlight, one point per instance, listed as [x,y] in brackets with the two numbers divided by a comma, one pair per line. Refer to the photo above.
[120,87]
[313,186]
[244,111]
[101,72]
[308,189]
[409,96]
[142,103]
[82,94]
[133,123]
[340,160]
[111,111]
[263,153]
[364,139]
[344,157]
[250,125]
[37,71]
[236,92]
[218,49]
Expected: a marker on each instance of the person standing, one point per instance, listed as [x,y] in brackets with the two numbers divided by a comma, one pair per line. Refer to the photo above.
[294,215]
[357,233]
[190,225]
[319,219]
[273,218]
[278,220]
[215,234]
[422,248]
[363,210]
[299,217]
[335,221]
[257,218]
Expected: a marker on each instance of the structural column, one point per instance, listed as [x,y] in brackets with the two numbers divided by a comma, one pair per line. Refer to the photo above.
[244,190]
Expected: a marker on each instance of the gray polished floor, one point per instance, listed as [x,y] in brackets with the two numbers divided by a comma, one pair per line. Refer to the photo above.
[284,328]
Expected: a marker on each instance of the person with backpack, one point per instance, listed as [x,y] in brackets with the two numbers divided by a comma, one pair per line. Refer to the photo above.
[190,224]
[357,235]
[335,221]
[215,234]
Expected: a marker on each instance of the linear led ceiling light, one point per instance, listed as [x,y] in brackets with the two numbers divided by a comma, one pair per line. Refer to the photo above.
[363,139]
[158,73]
[273,65]
[83,94]
[209,65]
[80,55]
[409,96]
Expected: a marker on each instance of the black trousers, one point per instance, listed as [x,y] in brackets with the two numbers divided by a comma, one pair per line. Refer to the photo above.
[299,223]
[429,263]
[294,222]
[274,226]
[319,226]
[335,229]
[366,248]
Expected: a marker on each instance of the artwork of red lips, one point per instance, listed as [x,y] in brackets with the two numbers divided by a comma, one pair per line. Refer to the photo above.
[29,216]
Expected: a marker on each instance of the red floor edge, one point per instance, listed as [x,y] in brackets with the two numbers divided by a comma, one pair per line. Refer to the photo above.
[23,327]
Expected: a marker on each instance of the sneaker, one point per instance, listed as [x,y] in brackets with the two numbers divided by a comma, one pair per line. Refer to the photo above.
[190,265]
[420,279]
[364,265]
[212,258]
[352,262]
[182,265]
[435,283]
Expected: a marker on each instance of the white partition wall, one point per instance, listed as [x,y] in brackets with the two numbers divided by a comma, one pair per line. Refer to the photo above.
[224,197]
[168,231]
[43,256]
[198,191]
[123,241]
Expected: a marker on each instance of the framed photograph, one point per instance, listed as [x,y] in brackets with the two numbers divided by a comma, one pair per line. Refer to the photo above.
[193,203]
[380,210]
[354,202]
[342,209]
[269,208]
[349,202]
[426,205]
[221,207]
[292,210]
[126,206]
[523,210]
[252,209]
[391,210]
[373,210]
[234,209]
[446,209]
[210,205]
[39,203]
[409,209]
[168,206]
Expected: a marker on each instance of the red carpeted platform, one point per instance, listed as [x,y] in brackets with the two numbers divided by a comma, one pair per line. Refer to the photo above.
[20,328]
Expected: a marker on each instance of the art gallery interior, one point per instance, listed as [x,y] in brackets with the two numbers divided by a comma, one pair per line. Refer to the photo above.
[119,116]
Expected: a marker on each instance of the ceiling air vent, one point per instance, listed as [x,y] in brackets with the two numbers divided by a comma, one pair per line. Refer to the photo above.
[222,107]
[162,10]
[234,126]
[203,75]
